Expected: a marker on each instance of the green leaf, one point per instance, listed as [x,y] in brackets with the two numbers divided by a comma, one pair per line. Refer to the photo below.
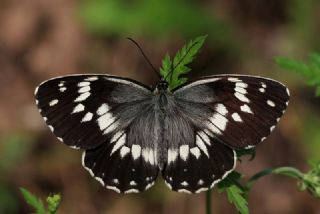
[293,65]
[53,203]
[236,197]
[235,191]
[33,201]
[310,69]
[172,70]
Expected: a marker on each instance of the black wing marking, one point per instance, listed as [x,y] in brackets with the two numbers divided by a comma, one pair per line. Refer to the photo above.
[101,114]
[239,110]
[195,161]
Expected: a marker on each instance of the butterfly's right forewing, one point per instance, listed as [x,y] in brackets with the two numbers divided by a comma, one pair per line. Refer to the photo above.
[211,117]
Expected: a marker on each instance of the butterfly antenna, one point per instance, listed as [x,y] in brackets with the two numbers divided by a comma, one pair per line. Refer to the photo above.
[145,57]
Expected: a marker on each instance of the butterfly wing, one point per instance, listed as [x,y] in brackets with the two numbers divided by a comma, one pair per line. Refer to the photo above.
[101,114]
[218,114]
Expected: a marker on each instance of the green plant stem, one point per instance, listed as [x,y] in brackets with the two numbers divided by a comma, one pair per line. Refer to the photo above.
[287,171]
[208,202]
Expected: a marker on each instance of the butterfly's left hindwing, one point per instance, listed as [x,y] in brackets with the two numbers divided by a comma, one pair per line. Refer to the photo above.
[99,113]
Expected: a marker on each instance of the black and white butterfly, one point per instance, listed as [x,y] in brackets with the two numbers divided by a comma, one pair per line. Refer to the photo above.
[130,132]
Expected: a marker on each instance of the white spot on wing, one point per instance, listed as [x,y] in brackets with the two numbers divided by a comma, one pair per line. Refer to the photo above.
[241,84]
[53,102]
[200,182]
[241,97]
[113,188]
[83,164]
[271,103]
[236,117]
[51,128]
[83,84]
[84,89]
[204,137]
[184,183]
[172,155]
[62,89]
[74,147]
[149,185]
[87,117]
[262,90]
[195,151]
[100,180]
[120,142]
[184,191]
[116,136]
[201,190]
[220,108]
[240,90]
[61,84]
[115,181]
[263,85]
[131,191]
[184,152]
[213,128]
[148,156]
[82,97]
[246,108]
[249,146]
[288,92]
[133,183]
[105,120]
[124,151]
[233,79]
[219,121]
[271,128]
[36,90]
[136,151]
[104,108]
[78,108]
[201,145]
[91,78]
[111,128]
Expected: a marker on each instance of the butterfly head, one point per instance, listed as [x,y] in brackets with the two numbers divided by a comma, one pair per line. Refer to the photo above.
[161,86]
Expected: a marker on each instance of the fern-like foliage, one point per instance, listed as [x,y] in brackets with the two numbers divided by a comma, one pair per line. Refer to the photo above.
[173,69]
[310,69]
[237,194]
[35,202]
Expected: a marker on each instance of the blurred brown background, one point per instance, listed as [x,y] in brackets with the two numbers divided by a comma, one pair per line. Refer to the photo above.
[40,39]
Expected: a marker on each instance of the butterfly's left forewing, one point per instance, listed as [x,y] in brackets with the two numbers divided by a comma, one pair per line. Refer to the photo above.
[99,113]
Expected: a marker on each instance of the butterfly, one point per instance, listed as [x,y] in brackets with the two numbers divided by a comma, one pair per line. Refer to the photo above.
[131,132]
